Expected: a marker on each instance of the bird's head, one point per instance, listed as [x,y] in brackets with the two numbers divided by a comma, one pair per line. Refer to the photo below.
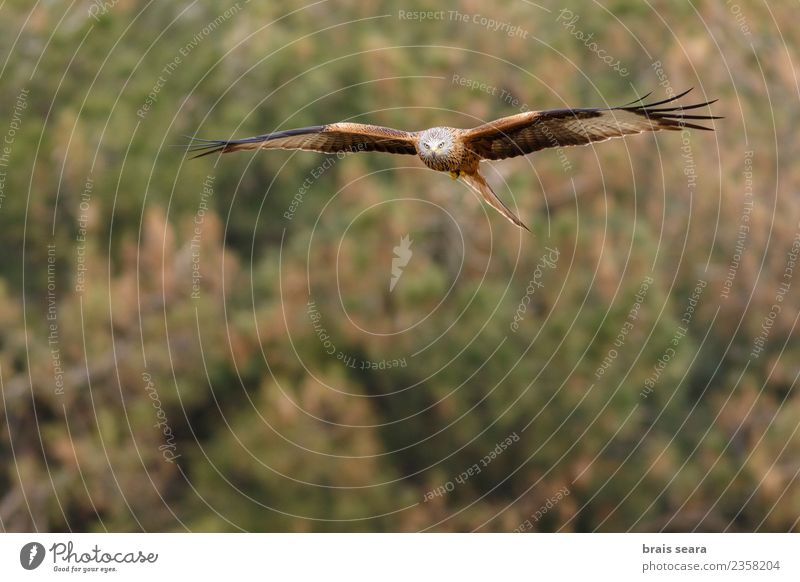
[436,142]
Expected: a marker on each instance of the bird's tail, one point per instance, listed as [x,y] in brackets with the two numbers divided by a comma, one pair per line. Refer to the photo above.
[481,186]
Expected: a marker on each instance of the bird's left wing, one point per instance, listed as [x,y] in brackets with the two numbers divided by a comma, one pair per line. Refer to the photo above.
[537,130]
[331,138]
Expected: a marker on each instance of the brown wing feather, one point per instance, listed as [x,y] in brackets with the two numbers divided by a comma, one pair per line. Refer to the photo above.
[331,138]
[536,130]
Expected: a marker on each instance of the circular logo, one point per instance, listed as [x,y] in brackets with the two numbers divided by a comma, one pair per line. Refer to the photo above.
[31,555]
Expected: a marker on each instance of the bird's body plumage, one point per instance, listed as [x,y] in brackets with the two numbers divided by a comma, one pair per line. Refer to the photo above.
[460,151]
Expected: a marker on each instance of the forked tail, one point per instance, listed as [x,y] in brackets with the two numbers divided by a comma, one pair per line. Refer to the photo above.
[479,184]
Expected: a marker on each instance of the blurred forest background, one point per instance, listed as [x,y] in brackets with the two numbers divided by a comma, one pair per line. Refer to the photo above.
[213,344]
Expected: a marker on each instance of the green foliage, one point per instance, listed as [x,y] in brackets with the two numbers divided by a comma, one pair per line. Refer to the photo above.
[187,382]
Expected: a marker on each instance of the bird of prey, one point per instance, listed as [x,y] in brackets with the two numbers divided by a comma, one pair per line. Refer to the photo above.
[460,151]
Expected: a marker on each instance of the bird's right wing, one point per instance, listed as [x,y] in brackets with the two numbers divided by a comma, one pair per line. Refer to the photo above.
[331,138]
[537,130]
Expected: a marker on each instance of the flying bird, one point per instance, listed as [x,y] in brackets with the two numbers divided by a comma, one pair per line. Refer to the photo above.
[460,151]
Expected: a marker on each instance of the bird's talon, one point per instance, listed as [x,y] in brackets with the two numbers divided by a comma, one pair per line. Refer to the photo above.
[455,175]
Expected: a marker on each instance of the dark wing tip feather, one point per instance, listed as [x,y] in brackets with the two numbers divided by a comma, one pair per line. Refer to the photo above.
[212,146]
[672,117]
[203,146]
[208,150]
[639,100]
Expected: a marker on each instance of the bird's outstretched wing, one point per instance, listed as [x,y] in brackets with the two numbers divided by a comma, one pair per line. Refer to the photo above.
[331,138]
[537,130]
